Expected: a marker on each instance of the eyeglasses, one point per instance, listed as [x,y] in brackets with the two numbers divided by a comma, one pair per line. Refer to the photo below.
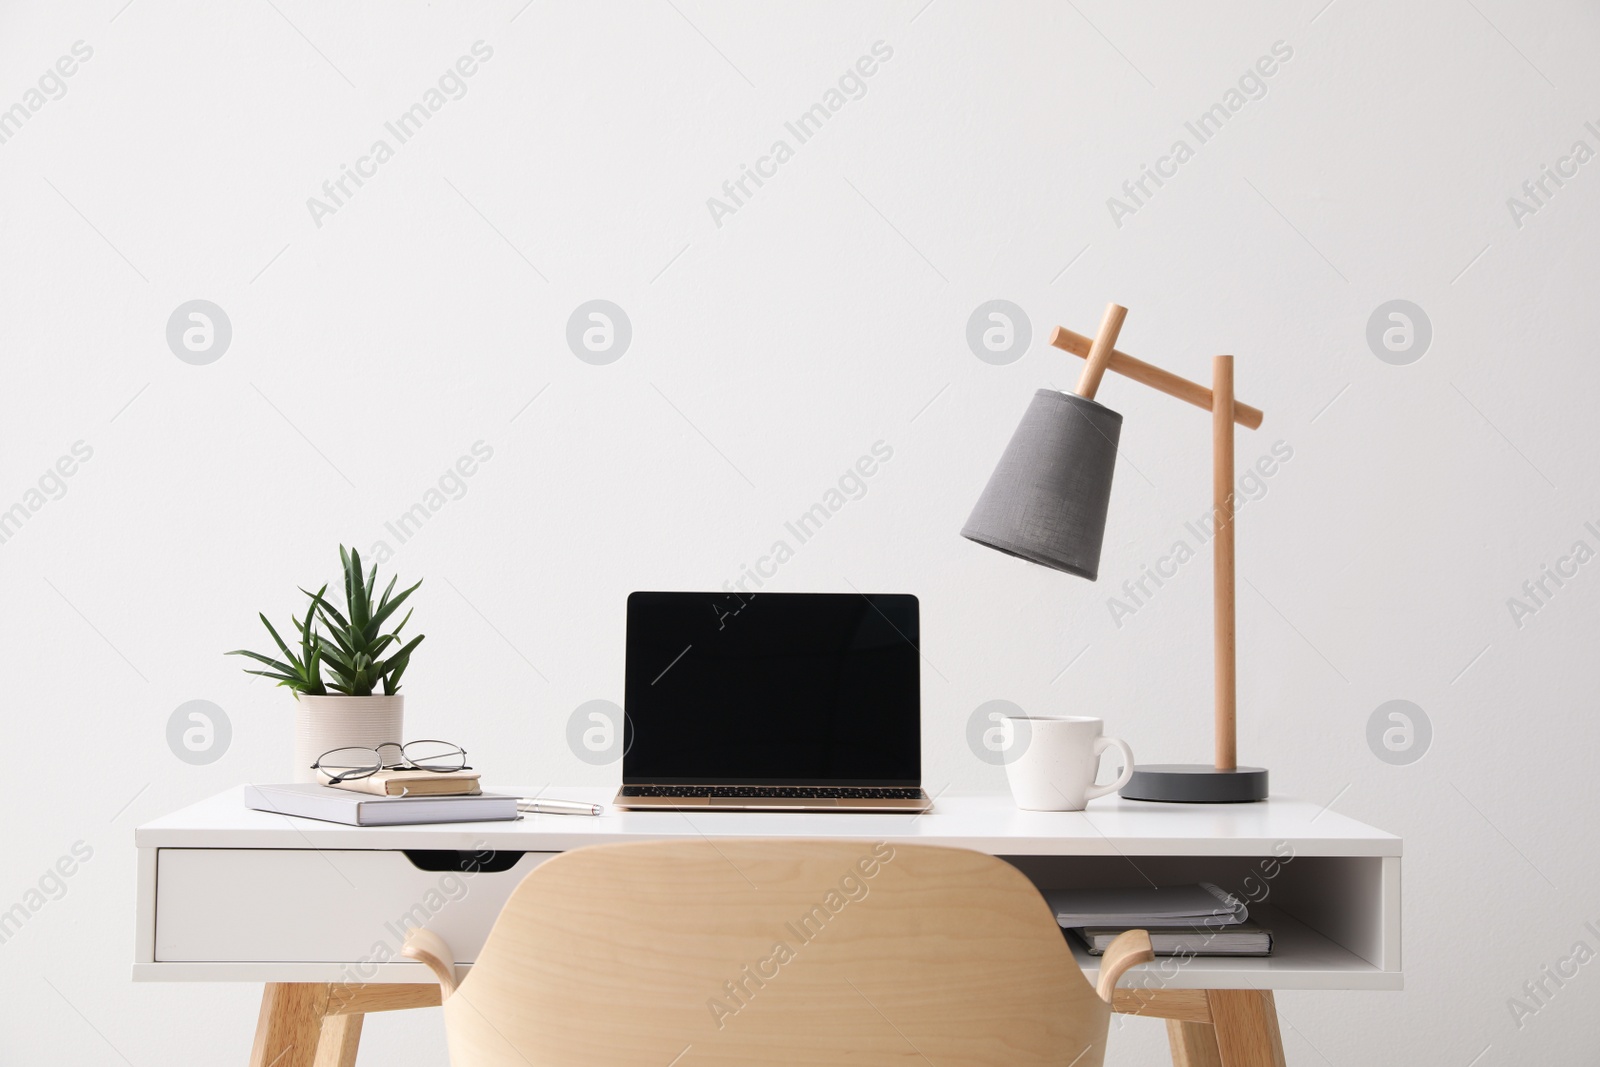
[349,764]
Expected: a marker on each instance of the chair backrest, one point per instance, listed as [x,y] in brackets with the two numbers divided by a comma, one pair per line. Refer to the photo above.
[741,952]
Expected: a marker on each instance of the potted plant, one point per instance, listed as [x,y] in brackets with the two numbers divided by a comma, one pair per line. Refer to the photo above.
[345,658]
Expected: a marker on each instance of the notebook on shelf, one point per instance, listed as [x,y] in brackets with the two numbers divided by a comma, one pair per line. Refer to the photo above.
[1248,938]
[328,804]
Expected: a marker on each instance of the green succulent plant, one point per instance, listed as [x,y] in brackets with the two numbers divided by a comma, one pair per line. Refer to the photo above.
[302,673]
[354,658]
[344,652]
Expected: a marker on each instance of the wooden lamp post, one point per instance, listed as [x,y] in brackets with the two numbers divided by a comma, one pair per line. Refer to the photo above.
[1047,500]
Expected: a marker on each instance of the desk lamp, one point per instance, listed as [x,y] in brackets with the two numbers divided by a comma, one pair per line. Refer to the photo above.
[1046,503]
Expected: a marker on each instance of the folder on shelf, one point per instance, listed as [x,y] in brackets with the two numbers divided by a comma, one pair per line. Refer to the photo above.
[1145,906]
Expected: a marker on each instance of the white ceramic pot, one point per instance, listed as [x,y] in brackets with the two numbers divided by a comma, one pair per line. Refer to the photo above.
[328,722]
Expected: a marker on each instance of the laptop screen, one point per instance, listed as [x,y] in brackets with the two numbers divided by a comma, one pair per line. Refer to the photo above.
[772,689]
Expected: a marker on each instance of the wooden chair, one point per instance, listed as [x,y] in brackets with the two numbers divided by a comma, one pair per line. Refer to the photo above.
[741,952]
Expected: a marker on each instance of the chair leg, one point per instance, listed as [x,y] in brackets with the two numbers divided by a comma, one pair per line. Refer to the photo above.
[1193,1044]
[290,1024]
[341,1037]
[1246,1027]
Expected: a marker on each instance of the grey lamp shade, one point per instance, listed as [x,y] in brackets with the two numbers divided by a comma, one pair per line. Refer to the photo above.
[1046,500]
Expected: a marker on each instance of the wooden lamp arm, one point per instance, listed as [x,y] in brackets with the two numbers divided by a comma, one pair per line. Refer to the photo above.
[1148,374]
[1131,948]
[1097,353]
[429,948]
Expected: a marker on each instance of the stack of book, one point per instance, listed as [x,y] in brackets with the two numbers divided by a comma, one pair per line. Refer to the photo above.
[387,798]
[1186,920]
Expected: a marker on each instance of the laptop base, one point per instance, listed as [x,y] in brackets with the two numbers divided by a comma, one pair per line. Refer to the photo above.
[723,798]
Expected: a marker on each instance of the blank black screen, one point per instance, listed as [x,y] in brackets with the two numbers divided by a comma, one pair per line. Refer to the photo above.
[773,689]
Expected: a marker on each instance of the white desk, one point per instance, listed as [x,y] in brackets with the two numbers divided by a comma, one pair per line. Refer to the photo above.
[230,894]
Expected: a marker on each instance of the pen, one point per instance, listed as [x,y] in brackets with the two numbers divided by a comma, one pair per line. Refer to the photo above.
[546,806]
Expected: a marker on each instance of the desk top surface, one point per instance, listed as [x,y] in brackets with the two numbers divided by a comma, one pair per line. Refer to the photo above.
[992,823]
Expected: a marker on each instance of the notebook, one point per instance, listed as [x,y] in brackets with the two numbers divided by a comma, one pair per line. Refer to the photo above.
[1240,939]
[358,809]
[1146,906]
[404,783]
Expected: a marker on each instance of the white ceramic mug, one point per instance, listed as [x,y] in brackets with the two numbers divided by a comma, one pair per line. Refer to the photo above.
[1057,759]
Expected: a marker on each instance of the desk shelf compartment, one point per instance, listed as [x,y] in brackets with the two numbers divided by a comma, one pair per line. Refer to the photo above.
[1335,919]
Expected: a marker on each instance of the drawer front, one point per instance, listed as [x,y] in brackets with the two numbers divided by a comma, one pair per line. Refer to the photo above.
[321,905]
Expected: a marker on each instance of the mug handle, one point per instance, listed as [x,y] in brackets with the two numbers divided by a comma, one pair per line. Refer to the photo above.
[1100,745]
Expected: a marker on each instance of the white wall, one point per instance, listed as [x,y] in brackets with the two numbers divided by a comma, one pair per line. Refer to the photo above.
[827,313]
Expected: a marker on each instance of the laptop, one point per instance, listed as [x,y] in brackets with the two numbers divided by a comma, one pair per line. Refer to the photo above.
[773,702]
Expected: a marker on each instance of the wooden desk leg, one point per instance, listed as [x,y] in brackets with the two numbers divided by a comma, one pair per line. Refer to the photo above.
[313,1024]
[290,1024]
[1246,1026]
[1193,1044]
[341,1037]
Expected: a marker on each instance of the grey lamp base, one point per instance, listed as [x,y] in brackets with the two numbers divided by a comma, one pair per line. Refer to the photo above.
[1196,783]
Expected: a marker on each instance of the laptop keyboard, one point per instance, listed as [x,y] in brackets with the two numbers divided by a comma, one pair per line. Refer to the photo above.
[802,792]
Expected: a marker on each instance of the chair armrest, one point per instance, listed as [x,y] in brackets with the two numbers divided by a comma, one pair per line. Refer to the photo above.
[430,949]
[1131,947]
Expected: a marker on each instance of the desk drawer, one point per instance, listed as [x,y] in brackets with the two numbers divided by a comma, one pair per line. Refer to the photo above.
[325,905]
